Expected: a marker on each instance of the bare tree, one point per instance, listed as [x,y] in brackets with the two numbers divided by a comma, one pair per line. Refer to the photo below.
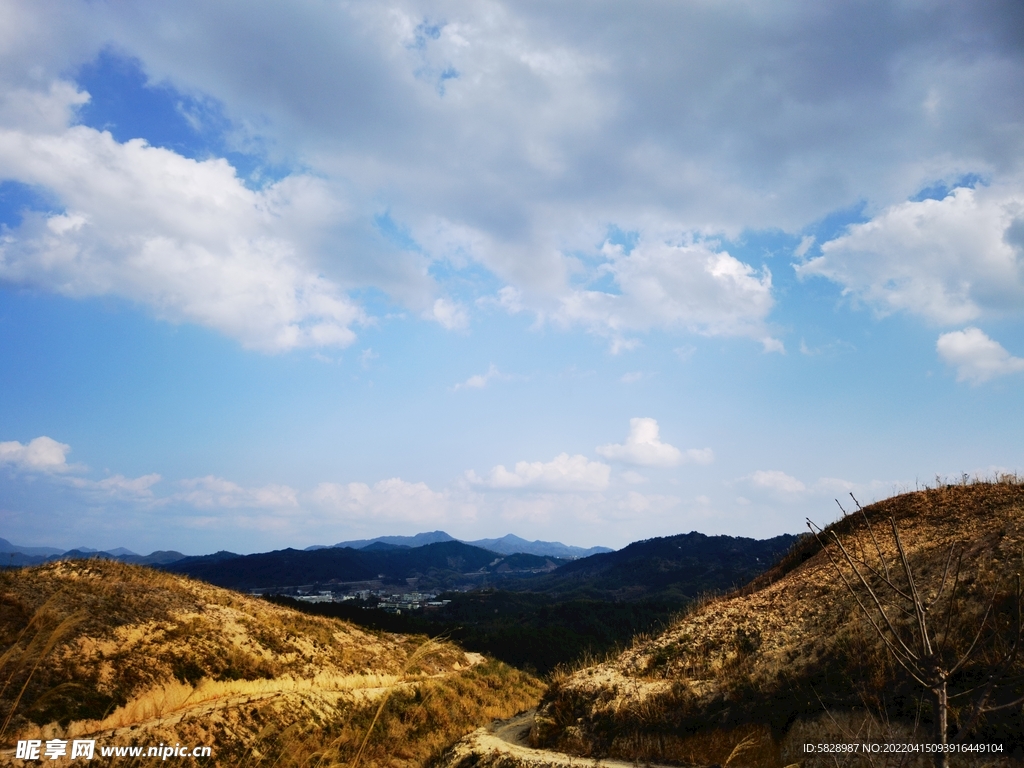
[928,651]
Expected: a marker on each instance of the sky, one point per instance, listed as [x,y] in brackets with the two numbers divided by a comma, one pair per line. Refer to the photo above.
[283,274]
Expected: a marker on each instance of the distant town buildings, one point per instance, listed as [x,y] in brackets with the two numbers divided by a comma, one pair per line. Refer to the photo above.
[383,599]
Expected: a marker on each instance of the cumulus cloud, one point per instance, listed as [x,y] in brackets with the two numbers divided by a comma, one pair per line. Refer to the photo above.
[47,456]
[138,489]
[388,501]
[38,110]
[42,454]
[450,315]
[217,493]
[788,488]
[835,485]
[508,299]
[183,237]
[549,113]
[643,447]
[481,380]
[688,287]
[563,473]
[511,136]
[949,261]
[976,357]
[776,480]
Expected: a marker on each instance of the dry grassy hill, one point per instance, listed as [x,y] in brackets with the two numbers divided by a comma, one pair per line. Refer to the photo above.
[791,658]
[132,656]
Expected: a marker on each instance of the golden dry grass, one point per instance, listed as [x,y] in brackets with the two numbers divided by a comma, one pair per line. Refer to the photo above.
[128,655]
[793,644]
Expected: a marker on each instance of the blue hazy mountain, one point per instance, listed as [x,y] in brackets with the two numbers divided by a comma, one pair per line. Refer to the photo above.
[506,545]
[7,547]
[441,565]
[419,540]
[13,555]
[512,544]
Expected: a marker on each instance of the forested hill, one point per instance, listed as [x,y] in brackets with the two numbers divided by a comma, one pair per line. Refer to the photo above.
[672,568]
[437,565]
[677,568]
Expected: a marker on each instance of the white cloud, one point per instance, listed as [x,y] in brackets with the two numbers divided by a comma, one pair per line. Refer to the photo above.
[787,488]
[510,300]
[634,506]
[775,480]
[977,358]
[481,380]
[450,315]
[949,261]
[183,237]
[699,455]
[35,110]
[619,344]
[805,245]
[217,493]
[386,501]
[366,358]
[139,489]
[46,455]
[643,447]
[835,485]
[632,377]
[690,287]
[42,454]
[551,130]
[563,473]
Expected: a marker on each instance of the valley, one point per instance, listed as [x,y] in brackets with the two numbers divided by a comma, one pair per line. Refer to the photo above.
[683,650]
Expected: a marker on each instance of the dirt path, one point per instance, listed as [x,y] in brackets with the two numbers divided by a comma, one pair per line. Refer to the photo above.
[504,739]
[205,706]
[515,731]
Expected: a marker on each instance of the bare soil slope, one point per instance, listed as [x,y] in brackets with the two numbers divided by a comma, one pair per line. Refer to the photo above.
[793,648]
[129,655]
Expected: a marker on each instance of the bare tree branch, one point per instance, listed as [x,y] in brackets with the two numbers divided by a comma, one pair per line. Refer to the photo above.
[877,594]
[871,530]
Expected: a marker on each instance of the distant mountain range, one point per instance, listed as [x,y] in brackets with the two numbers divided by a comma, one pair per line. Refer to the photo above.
[506,545]
[672,568]
[13,555]
[441,565]
[6,548]
[511,544]
[419,540]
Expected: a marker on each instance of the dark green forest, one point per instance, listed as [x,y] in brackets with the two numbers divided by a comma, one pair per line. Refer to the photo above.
[530,631]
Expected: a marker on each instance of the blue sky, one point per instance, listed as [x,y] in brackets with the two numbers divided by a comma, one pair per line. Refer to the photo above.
[276,275]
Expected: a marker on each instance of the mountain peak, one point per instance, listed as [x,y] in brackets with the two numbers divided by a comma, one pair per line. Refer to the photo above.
[419,540]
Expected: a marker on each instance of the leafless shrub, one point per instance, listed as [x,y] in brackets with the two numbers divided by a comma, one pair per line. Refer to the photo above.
[926,631]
